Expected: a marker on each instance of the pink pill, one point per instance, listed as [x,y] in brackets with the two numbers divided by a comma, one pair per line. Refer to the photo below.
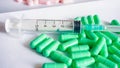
[52,2]
[42,1]
[66,1]
[36,2]
[19,1]
[49,2]
[30,2]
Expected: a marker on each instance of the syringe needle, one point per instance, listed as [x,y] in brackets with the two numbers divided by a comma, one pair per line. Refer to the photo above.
[112,28]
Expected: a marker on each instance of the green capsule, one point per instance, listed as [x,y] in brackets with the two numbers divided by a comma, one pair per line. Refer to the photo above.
[85,41]
[104,51]
[37,40]
[67,44]
[84,20]
[118,65]
[97,19]
[114,58]
[115,22]
[79,54]
[108,40]
[78,48]
[112,36]
[105,61]
[101,65]
[114,50]
[54,65]
[117,44]
[83,62]
[60,57]
[82,34]
[98,46]
[51,47]
[44,44]
[77,19]
[91,35]
[66,37]
[90,20]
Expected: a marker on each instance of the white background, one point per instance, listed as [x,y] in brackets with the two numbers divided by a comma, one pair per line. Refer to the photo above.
[11,5]
[15,52]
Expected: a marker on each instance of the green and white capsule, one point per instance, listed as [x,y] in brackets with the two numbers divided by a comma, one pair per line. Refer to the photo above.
[79,54]
[67,44]
[101,65]
[112,36]
[117,44]
[37,40]
[78,48]
[97,19]
[105,61]
[85,41]
[43,44]
[82,34]
[83,62]
[54,65]
[114,50]
[90,19]
[60,57]
[91,35]
[84,20]
[77,19]
[66,37]
[51,47]
[108,40]
[98,46]
[115,22]
[104,51]
[114,58]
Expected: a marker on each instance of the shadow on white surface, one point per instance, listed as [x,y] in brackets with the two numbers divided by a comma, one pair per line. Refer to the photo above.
[2,27]
[26,43]
[38,66]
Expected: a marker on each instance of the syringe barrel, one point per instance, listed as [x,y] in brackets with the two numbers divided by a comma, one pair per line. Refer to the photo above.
[39,25]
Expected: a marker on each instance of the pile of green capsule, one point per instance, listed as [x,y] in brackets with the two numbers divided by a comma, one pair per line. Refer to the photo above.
[88,49]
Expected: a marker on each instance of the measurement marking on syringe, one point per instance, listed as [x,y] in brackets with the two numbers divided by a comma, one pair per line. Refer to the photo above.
[37,25]
[62,25]
[54,24]
[43,25]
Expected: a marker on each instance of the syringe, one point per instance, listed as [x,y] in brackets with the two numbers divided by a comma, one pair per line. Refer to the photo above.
[51,26]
